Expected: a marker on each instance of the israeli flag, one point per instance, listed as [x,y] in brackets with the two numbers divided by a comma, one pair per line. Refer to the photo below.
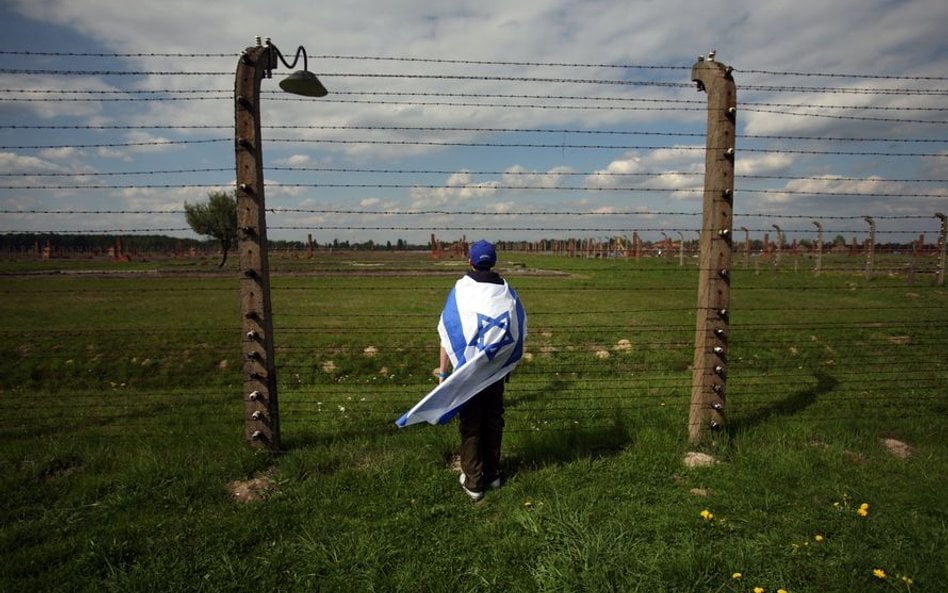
[482,329]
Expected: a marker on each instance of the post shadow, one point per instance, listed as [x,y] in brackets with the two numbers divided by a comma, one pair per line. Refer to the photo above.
[789,406]
[560,445]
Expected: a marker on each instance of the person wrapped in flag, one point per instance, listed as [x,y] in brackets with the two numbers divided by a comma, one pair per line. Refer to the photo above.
[482,330]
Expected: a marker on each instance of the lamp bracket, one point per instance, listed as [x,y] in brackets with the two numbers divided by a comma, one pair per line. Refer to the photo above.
[275,54]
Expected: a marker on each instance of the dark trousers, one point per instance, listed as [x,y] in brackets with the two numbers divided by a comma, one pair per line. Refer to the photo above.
[482,429]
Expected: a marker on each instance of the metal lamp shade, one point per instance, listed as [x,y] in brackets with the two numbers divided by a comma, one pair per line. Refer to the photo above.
[303,82]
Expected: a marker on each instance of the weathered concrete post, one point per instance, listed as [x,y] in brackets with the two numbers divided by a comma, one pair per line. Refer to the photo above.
[819,247]
[871,247]
[778,246]
[942,242]
[747,246]
[261,411]
[714,290]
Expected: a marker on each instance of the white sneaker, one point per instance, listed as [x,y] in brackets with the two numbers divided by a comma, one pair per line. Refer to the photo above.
[475,496]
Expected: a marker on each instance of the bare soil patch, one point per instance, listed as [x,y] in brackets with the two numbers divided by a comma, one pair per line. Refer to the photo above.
[257,488]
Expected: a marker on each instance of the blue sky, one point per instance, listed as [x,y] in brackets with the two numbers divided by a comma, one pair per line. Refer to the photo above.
[630,142]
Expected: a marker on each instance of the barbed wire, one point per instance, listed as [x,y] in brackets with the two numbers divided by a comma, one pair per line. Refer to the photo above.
[664,105]
[509,172]
[597,387]
[385,75]
[506,106]
[539,313]
[478,130]
[492,186]
[409,59]
[560,146]
[496,78]
[63,54]
[439,212]
[699,105]
[849,117]
[118,144]
[439,286]
[619,230]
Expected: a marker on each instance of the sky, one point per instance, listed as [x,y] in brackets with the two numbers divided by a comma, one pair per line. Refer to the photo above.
[537,119]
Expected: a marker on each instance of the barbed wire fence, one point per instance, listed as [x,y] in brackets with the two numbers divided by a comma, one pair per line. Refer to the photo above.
[354,337]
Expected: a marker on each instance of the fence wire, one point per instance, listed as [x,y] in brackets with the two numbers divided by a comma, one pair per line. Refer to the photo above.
[598,231]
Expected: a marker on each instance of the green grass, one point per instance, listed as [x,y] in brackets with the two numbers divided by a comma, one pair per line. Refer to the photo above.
[123,427]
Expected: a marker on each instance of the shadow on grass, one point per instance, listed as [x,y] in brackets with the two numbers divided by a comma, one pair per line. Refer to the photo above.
[525,447]
[515,397]
[560,446]
[303,436]
[793,404]
[533,448]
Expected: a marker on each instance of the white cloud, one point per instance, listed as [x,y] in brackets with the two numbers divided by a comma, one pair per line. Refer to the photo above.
[858,36]
[667,168]
[612,175]
[459,188]
[840,190]
[277,189]
[296,160]
[518,176]
[31,94]
[62,153]
[145,142]
[15,163]
[762,164]
[108,152]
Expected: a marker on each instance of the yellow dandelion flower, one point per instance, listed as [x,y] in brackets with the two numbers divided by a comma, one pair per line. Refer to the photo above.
[707,515]
[818,537]
[781,591]
[878,573]
[907,580]
[737,576]
[758,590]
[864,506]
[863,512]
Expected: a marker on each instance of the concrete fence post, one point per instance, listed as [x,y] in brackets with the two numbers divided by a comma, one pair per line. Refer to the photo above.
[714,291]
[819,248]
[747,246]
[870,246]
[778,246]
[942,242]
[262,417]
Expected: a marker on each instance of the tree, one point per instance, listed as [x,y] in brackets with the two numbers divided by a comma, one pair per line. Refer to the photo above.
[216,218]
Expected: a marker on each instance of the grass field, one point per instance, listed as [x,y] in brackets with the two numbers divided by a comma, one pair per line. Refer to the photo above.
[123,437]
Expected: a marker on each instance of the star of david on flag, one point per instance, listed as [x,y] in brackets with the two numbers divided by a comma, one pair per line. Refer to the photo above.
[484,324]
[482,328]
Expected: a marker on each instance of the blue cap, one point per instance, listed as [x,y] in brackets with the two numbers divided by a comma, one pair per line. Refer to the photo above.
[483,255]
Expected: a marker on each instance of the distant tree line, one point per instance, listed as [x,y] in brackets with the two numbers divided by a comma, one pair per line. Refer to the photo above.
[76,243]
[83,243]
